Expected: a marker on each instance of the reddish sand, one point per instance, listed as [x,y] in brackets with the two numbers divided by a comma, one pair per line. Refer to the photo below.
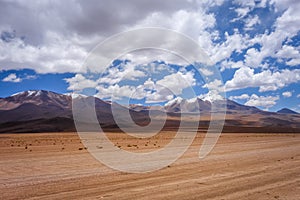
[241,166]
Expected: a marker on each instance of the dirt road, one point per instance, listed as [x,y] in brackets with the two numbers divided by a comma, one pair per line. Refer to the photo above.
[241,166]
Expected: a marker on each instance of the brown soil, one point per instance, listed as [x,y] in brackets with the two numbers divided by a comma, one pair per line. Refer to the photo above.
[241,166]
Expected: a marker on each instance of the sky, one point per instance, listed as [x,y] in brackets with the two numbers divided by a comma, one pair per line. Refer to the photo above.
[254,45]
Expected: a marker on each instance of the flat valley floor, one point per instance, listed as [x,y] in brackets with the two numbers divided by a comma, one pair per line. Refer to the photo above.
[241,166]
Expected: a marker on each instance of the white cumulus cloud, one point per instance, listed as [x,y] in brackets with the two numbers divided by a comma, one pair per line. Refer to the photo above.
[243,96]
[79,82]
[262,101]
[287,94]
[12,78]
[265,80]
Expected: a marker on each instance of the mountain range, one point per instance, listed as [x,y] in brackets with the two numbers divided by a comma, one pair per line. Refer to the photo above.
[46,111]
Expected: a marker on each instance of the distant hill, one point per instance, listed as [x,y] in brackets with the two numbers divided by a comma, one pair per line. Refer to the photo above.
[286,111]
[194,105]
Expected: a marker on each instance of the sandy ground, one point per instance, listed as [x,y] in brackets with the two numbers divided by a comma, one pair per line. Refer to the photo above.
[241,166]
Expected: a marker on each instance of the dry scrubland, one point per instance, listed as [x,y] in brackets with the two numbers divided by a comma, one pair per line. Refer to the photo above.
[241,166]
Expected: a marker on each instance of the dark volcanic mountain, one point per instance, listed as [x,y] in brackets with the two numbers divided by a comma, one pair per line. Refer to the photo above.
[32,105]
[287,111]
[45,111]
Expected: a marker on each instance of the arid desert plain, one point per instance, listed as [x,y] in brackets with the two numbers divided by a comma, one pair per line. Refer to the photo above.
[241,166]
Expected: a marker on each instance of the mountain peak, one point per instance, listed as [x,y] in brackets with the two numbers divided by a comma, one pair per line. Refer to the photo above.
[176,100]
[36,97]
[286,111]
[33,93]
[28,93]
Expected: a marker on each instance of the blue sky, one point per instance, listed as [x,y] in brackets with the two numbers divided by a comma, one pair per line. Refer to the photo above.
[254,44]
